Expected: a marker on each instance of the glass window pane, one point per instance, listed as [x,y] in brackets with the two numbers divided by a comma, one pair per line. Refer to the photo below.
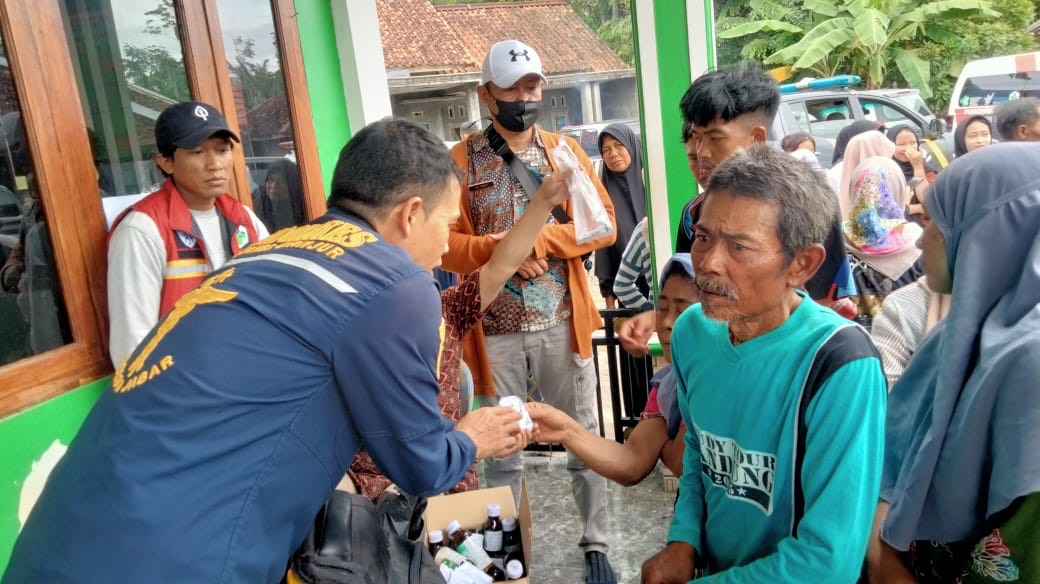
[800,115]
[32,311]
[827,118]
[129,62]
[882,112]
[251,46]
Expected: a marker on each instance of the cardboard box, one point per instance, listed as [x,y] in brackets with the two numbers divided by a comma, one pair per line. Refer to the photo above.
[470,509]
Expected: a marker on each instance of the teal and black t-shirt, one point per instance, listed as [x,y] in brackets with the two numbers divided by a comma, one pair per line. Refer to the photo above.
[742,408]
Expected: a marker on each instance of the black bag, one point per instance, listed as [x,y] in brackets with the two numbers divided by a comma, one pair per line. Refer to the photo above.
[357,541]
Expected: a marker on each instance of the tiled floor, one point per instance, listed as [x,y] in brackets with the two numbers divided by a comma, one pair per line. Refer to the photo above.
[639,517]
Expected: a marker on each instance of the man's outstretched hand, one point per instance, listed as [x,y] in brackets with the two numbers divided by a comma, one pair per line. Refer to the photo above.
[551,425]
[635,333]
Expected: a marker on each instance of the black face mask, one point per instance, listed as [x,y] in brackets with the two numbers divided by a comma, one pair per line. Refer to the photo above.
[517,116]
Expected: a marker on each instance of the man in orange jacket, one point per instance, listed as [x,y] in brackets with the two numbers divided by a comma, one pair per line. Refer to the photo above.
[542,322]
[166,243]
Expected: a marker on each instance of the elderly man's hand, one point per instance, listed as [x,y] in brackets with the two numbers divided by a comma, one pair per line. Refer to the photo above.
[494,430]
[533,267]
[635,333]
[672,565]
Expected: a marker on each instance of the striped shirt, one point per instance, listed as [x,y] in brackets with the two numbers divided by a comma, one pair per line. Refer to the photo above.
[899,327]
[635,262]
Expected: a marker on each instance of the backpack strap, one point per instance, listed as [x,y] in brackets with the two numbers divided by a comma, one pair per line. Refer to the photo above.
[847,343]
[520,171]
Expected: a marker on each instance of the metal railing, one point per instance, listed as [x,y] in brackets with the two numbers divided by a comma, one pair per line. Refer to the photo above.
[628,377]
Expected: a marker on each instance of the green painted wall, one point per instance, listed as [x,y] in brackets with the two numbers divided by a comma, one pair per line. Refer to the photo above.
[324,82]
[673,65]
[25,436]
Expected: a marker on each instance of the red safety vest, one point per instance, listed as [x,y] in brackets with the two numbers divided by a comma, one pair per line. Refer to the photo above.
[187,262]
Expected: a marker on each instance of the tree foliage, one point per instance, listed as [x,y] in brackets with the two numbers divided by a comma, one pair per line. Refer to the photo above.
[873,38]
[899,42]
[153,67]
[259,80]
[977,39]
[611,19]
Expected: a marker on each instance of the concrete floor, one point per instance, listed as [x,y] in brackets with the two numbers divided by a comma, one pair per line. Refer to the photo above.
[639,515]
[639,519]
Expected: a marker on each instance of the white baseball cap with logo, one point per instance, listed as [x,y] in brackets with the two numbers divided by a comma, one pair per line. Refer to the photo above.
[509,61]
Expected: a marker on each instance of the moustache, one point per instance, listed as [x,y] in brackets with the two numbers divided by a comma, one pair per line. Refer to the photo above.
[706,284]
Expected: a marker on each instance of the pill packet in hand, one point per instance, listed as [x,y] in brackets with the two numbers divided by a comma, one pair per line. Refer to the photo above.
[511,401]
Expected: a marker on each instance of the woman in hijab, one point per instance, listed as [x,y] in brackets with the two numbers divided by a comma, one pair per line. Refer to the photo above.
[841,143]
[622,175]
[881,242]
[860,148]
[279,201]
[908,152]
[911,160]
[848,133]
[976,132]
[960,497]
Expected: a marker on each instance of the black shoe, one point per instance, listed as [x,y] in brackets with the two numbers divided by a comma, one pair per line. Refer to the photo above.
[598,570]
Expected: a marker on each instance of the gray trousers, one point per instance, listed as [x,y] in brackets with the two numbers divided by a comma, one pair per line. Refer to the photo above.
[567,382]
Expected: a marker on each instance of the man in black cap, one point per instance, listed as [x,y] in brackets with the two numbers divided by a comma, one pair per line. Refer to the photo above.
[165,244]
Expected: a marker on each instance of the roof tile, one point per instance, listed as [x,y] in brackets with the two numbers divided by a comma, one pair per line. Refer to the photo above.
[424,38]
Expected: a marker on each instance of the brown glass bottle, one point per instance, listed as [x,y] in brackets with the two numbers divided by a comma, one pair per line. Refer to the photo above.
[436,541]
[493,531]
[465,543]
[511,540]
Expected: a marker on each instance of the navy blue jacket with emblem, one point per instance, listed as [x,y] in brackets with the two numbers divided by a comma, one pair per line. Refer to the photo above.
[229,426]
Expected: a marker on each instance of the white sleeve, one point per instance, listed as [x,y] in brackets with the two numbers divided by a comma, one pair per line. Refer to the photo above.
[261,229]
[834,176]
[136,258]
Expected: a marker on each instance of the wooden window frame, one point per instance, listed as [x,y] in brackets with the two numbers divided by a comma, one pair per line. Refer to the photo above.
[210,81]
[38,55]
[288,35]
[63,168]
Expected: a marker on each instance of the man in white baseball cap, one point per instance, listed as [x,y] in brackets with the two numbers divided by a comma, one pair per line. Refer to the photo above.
[543,319]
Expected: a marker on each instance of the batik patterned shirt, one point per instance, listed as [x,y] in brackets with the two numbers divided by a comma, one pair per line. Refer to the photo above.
[497,201]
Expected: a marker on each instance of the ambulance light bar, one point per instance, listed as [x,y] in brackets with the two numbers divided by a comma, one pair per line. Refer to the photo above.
[823,83]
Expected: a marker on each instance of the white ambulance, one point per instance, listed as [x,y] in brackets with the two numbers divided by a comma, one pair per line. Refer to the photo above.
[986,83]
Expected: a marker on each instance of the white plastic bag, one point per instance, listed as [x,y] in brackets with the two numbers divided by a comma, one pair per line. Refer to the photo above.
[590,216]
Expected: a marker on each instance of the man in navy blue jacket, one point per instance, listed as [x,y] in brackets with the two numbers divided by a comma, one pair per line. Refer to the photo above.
[229,426]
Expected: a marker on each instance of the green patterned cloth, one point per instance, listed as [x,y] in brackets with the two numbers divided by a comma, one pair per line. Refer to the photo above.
[1010,552]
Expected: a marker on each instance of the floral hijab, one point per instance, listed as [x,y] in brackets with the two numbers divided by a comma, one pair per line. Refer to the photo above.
[861,147]
[875,226]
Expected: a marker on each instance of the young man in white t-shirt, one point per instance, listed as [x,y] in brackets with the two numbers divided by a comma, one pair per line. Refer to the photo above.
[165,244]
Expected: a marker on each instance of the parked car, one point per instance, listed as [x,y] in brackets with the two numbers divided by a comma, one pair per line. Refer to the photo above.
[824,112]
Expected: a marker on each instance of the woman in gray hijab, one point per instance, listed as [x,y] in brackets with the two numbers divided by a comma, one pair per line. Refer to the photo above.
[622,176]
[960,497]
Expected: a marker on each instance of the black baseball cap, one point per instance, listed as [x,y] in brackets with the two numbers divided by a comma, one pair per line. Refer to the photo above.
[188,124]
